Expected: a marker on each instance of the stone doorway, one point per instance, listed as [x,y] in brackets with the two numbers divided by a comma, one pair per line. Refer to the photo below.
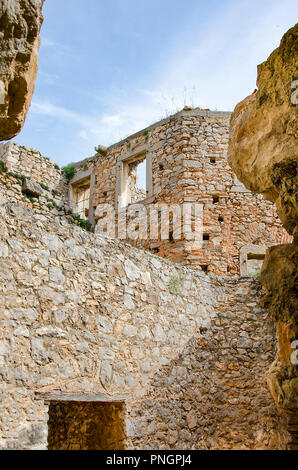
[86,426]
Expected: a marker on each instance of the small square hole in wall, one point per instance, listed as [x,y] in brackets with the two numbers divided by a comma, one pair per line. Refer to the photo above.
[206,237]
[215,199]
[213,161]
[220,219]
[204,268]
[161,167]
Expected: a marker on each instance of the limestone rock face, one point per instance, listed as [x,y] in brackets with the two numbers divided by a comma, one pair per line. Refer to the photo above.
[280,280]
[263,137]
[20,23]
[263,154]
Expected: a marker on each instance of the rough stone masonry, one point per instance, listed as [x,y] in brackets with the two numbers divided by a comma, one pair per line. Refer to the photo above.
[85,318]
[99,338]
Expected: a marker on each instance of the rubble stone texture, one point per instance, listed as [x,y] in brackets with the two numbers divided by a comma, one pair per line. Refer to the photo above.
[263,153]
[27,167]
[86,318]
[85,314]
[20,23]
[93,315]
[188,153]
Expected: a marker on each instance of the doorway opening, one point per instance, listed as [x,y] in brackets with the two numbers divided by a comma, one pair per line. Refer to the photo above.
[86,426]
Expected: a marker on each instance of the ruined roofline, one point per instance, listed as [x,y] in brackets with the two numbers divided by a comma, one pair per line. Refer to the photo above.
[188,112]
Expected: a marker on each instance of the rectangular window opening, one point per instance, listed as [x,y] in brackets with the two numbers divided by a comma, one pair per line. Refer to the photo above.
[81,198]
[134,180]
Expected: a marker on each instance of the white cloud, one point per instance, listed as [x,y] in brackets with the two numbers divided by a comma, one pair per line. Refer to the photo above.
[48,109]
[48,78]
[83,134]
[221,57]
[112,120]
[104,128]
[46,42]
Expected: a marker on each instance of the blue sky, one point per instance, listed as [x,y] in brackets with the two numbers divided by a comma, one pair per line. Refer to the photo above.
[108,68]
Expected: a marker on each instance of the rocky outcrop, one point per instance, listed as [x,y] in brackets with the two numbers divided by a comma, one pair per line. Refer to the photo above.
[280,280]
[263,138]
[20,23]
[263,154]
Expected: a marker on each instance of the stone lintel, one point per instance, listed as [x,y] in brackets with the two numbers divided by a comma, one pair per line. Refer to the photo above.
[58,396]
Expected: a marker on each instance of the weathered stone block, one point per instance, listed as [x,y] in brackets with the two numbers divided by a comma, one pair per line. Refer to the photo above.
[31,188]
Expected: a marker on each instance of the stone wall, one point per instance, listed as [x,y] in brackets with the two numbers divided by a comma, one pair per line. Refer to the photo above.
[31,163]
[86,314]
[33,179]
[83,313]
[214,395]
[188,162]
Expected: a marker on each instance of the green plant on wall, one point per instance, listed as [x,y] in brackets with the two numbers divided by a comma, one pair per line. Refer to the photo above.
[44,186]
[69,171]
[255,273]
[83,223]
[29,198]
[174,285]
[18,177]
[3,167]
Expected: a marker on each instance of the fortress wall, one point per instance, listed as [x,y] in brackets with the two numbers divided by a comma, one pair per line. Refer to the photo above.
[43,176]
[85,314]
[31,163]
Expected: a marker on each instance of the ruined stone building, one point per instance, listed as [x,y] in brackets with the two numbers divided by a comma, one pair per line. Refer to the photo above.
[186,162]
[107,345]
[150,342]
